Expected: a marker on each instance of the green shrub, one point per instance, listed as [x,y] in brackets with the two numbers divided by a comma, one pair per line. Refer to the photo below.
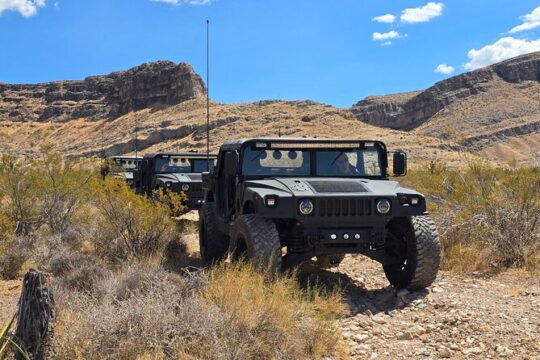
[131,226]
[487,216]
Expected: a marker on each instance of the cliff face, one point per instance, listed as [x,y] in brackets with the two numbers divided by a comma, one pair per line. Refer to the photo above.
[98,97]
[409,112]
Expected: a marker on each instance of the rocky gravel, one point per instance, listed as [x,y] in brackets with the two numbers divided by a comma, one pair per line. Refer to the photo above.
[460,317]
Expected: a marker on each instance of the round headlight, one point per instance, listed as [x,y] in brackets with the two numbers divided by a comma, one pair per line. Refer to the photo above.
[306,207]
[185,187]
[383,206]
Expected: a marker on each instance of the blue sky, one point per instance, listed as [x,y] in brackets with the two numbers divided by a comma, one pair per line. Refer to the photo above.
[332,51]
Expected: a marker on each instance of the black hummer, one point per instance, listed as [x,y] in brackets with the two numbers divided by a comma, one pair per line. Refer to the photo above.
[124,167]
[178,172]
[280,202]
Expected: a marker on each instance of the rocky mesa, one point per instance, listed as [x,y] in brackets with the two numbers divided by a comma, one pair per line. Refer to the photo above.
[99,97]
[408,111]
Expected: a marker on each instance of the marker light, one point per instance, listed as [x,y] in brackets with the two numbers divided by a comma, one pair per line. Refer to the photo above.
[346,236]
[357,236]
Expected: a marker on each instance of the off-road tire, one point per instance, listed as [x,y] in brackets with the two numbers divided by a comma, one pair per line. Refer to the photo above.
[257,239]
[213,244]
[422,255]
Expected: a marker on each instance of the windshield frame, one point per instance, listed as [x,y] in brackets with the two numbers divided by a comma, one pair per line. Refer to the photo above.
[316,145]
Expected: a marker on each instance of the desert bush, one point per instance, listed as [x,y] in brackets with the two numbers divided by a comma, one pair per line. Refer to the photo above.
[132,226]
[174,201]
[47,190]
[229,312]
[15,254]
[77,270]
[488,217]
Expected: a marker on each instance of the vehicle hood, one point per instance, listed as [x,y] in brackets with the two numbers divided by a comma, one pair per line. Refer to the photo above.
[179,177]
[324,187]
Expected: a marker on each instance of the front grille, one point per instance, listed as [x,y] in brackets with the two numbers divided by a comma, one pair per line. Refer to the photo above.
[344,207]
[326,186]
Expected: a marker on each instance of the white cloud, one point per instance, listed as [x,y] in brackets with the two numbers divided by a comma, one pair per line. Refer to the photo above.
[444,69]
[377,36]
[502,49]
[422,14]
[385,19]
[530,21]
[26,8]
[179,2]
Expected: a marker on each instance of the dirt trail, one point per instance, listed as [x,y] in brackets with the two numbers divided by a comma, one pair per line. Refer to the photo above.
[459,317]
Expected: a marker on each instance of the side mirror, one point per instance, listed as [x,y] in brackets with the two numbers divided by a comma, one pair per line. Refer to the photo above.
[399,163]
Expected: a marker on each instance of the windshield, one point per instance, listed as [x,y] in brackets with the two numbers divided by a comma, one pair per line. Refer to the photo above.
[358,162]
[175,164]
[127,165]
[172,165]
[276,162]
[200,166]
[332,163]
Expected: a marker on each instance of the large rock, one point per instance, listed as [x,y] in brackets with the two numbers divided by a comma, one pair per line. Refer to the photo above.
[106,96]
[410,110]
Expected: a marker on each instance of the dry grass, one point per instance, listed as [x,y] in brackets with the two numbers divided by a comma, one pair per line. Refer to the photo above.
[229,312]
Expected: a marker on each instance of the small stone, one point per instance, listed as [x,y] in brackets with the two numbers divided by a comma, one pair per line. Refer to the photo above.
[403,292]
[437,290]
[404,336]
[445,353]
[474,350]
[454,346]
[379,319]
[360,337]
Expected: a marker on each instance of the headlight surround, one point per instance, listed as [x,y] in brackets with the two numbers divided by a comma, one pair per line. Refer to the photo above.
[383,206]
[185,187]
[306,207]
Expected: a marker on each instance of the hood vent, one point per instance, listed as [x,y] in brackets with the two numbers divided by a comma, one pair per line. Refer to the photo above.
[329,186]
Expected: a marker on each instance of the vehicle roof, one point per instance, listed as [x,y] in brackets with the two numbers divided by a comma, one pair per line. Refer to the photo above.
[236,144]
[192,155]
[125,157]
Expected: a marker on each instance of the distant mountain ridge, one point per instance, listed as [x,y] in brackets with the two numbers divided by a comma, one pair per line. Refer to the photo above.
[410,110]
[104,96]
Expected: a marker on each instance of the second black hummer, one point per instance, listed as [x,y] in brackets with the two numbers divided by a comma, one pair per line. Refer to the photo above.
[177,172]
[280,202]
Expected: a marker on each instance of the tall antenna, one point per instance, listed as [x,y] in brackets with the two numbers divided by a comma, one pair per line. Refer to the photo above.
[207,95]
[136,138]
[102,168]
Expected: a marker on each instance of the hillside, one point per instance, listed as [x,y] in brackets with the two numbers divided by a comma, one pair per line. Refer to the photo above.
[494,112]
[495,109]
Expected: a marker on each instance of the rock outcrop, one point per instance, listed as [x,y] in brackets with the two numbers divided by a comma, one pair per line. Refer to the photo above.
[408,111]
[98,97]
